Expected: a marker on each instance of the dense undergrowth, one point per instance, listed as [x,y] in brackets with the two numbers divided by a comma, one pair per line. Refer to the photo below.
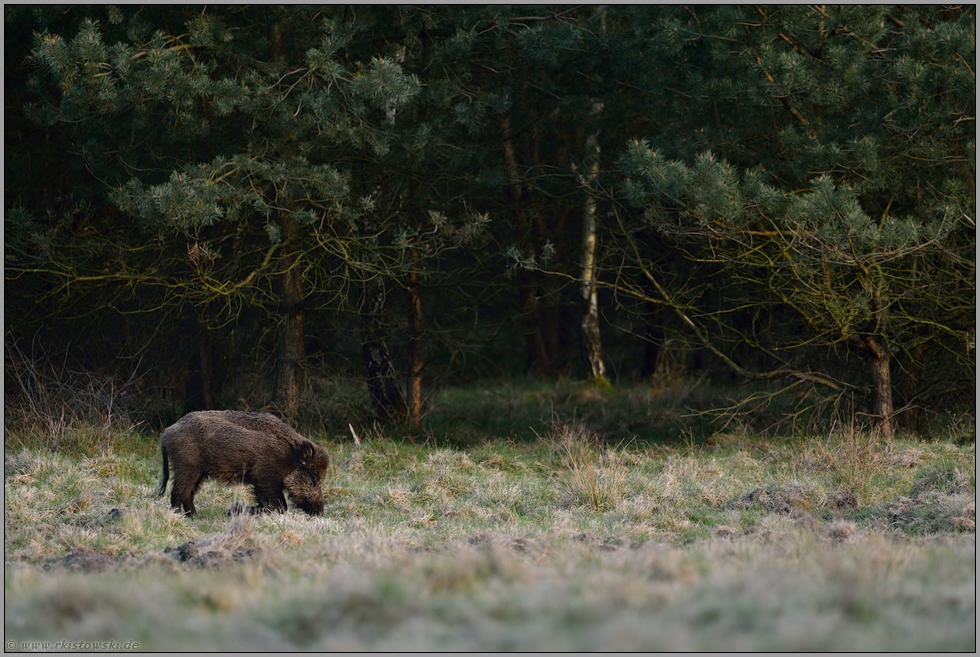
[513,518]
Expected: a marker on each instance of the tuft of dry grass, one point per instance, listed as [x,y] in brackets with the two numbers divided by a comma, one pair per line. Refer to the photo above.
[591,475]
[856,460]
[49,400]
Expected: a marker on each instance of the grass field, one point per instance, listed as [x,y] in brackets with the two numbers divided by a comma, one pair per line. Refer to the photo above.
[517,518]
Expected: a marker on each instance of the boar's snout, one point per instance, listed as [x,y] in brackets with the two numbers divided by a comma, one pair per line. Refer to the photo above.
[312,507]
[305,483]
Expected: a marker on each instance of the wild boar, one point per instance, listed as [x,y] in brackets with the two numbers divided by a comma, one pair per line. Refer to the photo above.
[238,447]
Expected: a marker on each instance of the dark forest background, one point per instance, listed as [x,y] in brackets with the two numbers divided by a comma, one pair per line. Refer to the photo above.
[211,207]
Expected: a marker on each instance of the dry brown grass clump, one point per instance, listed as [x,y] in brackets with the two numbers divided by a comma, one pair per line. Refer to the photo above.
[589,474]
[50,400]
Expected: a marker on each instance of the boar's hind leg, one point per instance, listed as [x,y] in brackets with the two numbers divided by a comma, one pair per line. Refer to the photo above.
[182,493]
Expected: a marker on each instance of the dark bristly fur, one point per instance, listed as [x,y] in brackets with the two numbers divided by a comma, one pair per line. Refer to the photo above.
[238,447]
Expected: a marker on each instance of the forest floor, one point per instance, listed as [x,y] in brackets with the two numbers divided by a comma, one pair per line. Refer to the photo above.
[469,535]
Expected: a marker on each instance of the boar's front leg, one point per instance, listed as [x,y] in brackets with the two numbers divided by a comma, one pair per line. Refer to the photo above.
[271,499]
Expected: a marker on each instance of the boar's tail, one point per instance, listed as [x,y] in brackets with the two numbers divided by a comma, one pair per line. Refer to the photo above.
[166,472]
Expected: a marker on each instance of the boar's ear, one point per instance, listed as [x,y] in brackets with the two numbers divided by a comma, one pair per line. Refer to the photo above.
[306,452]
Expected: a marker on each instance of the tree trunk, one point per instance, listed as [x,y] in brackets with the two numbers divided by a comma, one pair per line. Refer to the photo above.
[207,372]
[382,379]
[654,336]
[413,388]
[538,340]
[540,334]
[882,379]
[382,382]
[590,320]
[292,348]
[908,391]
[200,383]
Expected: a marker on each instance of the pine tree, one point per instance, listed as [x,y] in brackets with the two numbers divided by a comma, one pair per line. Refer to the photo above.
[838,188]
[232,128]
